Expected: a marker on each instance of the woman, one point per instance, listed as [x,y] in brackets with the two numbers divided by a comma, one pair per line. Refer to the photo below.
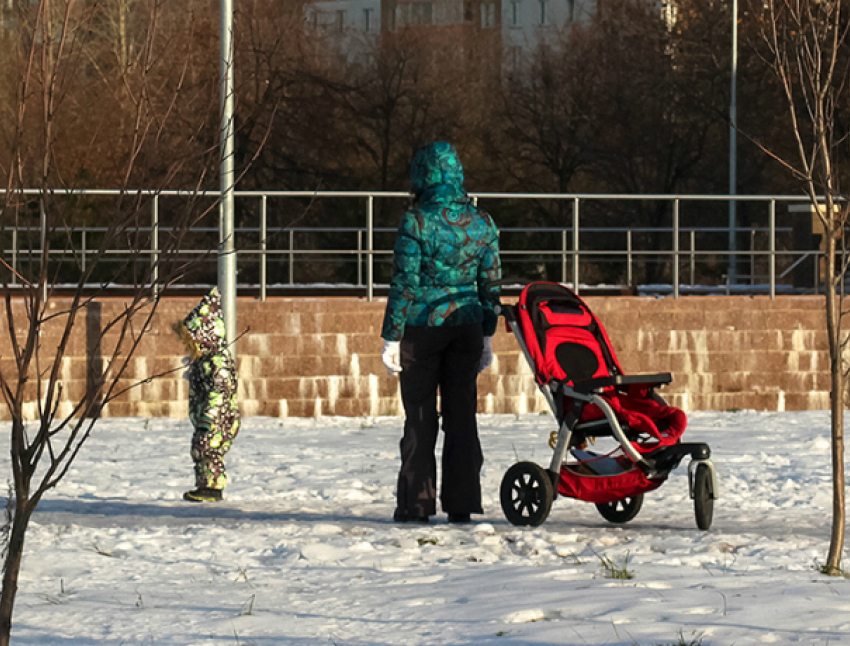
[437,329]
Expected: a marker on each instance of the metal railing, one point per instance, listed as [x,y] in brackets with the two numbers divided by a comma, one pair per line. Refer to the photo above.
[566,253]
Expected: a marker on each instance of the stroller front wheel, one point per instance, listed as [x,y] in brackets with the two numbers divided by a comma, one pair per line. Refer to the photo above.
[526,494]
[621,511]
[703,496]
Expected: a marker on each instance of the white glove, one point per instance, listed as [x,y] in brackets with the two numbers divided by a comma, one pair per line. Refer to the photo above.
[391,356]
[486,354]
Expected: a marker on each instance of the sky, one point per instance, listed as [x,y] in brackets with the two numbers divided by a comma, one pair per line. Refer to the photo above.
[303,550]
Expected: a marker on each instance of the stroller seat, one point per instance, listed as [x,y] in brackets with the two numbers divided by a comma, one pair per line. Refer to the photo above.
[569,347]
[578,372]
[648,423]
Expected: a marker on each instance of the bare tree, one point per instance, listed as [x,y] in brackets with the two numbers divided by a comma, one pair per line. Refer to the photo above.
[548,112]
[51,60]
[619,104]
[407,93]
[809,52]
[660,116]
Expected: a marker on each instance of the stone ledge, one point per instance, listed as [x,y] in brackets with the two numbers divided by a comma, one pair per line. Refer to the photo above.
[305,357]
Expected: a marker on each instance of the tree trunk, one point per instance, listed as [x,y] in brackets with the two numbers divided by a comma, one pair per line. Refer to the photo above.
[12,567]
[833,322]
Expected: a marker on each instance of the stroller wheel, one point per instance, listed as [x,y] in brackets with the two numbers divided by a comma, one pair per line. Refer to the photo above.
[526,494]
[621,511]
[703,496]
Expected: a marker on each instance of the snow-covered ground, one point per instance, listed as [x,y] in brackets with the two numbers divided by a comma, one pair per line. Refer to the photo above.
[303,551]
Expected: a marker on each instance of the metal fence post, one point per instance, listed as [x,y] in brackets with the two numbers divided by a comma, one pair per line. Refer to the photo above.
[575,245]
[359,258]
[15,256]
[752,256]
[83,250]
[155,245]
[43,213]
[370,248]
[564,256]
[263,246]
[772,255]
[291,257]
[629,259]
[676,248]
[693,257]
[816,255]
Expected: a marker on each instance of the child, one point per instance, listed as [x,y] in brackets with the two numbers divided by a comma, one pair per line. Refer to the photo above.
[212,396]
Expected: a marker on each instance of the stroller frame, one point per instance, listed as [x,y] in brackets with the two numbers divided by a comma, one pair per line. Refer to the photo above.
[528,490]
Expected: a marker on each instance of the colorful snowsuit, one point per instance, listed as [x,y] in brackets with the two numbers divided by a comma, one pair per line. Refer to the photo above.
[446,253]
[212,391]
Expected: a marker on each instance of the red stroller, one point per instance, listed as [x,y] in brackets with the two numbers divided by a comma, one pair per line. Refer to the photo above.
[578,373]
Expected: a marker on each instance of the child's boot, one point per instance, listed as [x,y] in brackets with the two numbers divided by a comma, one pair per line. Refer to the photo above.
[203,495]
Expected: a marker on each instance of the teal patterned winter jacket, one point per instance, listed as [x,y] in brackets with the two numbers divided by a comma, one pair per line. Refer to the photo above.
[446,257]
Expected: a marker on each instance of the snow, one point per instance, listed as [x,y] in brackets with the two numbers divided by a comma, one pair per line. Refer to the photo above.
[303,552]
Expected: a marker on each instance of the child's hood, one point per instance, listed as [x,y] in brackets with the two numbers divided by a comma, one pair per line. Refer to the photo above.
[205,324]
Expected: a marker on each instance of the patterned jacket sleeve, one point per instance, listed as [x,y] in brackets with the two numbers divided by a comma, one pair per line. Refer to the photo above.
[407,259]
[489,271]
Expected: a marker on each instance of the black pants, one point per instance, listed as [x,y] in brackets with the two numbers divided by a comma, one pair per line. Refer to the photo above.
[445,359]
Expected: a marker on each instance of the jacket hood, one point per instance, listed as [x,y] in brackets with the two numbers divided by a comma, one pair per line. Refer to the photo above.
[436,171]
[204,325]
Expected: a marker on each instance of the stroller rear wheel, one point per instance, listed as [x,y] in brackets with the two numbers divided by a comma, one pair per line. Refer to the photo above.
[526,494]
[703,496]
[621,511]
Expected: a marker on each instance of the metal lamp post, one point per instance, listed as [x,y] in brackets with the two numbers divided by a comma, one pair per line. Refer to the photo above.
[733,162]
[226,246]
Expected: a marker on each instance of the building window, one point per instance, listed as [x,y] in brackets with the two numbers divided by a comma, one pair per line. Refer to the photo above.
[670,12]
[367,19]
[340,20]
[421,13]
[515,14]
[488,15]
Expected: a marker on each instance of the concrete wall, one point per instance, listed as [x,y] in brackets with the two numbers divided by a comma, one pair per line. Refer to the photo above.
[308,357]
